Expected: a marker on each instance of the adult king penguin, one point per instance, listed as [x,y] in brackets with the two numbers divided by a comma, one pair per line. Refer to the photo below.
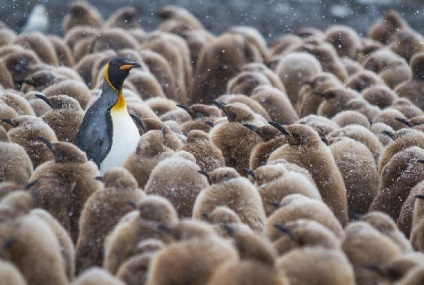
[108,134]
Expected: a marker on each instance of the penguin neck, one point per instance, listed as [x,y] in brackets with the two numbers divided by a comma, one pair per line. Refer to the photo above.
[115,97]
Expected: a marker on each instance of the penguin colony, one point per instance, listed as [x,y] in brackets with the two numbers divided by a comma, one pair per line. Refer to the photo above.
[298,162]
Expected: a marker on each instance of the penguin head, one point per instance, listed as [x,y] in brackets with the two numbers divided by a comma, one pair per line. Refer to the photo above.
[117,70]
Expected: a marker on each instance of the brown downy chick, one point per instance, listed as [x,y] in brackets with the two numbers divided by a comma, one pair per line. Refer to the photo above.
[63,51]
[162,71]
[344,39]
[357,166]
[125,18]
[407,108]
[228,189]
[350,117]
[363,107]
[274,182]
[65,116]
[64,184]
[390,116]
[73,88]
[384,29]
[272,139]
[135,269]
[315,265]
[297,206]
[329,59]
[101,212]
[304,233]
[247,273]
[294,69]
[19,64]
[407,43]
[414,277]
[202,116]
[255,106]
[364,245]
[307,102]
[181,184]
[173,16]
[17,102]
[403,171]
[207,155]
[379,130]
[227,136]
[222,215]
[15,164]
[150,151]
[380,96]
[276,103]
[40,44]
[215,67]
[31,245]
[319,162]
[191,261]
[67,248]
[10,274]
[254,37]
[273,78]
[410,211]
[362,80]
[6,79]
[25,132]
[413,89]
[384,224]
[246,81]
[402,140]
[398,268]
[96,275]
[82,14]
[362,135]
[335,101]
[154,212]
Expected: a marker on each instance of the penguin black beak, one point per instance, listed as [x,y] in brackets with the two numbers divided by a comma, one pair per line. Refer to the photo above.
[389,134]
[137,120]
[404,121]
[99,178]
[420,160]
[219,105]
[249,172]
[9,121]
[320,94]
[205,173]
[375,268]
[276,204]
[206,216]
[30,184]
[132,204]
[209,123]
[285,230]
[229,229]
[129,65]
[188,110]
[419,196]
[47,143]
[252,127]
[324,140]
[44,98]
[280,128]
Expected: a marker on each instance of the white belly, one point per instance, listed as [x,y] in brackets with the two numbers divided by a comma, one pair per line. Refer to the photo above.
[124,142]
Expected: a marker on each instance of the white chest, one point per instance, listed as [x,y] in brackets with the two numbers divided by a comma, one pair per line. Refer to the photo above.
[124,141]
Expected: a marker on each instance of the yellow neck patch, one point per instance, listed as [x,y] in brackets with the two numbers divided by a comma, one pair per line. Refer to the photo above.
[120,104]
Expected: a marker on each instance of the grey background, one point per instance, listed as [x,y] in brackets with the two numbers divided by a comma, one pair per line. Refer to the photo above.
[272,18]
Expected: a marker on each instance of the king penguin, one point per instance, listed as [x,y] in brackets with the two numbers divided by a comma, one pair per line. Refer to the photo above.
[108,134]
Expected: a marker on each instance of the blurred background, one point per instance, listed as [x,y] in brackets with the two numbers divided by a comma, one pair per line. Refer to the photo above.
[272,18]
